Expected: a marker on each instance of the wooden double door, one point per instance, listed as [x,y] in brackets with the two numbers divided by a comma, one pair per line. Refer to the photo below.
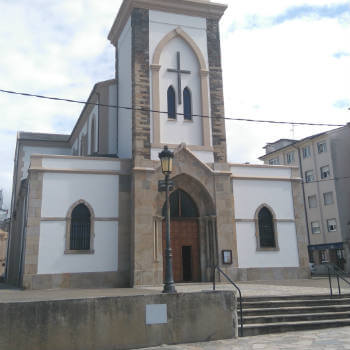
[184,236]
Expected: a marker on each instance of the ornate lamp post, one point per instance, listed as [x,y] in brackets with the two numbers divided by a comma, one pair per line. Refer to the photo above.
[166,159]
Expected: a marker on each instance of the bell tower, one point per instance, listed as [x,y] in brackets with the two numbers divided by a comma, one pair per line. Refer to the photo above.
[168,68]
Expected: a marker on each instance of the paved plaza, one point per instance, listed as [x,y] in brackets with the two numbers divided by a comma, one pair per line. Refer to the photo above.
[312,286]
[326,339]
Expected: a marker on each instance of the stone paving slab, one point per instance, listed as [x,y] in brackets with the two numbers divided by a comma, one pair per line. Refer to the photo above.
[268,288]
[326,339]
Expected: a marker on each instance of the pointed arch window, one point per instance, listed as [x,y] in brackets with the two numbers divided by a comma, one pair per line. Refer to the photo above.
[171,103]
[181,205]
[266,230]
[80,224]
[92,147]
[187,104]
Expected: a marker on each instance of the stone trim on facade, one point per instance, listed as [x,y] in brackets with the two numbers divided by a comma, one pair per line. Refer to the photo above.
[141,127]
[188,8]
[216,91]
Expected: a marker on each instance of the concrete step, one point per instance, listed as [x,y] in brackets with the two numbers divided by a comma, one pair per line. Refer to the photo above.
[295,297]
[257,329]
[294,303]
[295,317]
[295,310]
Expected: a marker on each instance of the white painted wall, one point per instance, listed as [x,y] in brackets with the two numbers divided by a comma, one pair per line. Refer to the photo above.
[161,24]
[248,257]
[125,93]
[112,120]
[249,195]
[52,245]
[60,191]
[29,150]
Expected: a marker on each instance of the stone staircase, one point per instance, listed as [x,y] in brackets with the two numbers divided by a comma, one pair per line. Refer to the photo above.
[263,315]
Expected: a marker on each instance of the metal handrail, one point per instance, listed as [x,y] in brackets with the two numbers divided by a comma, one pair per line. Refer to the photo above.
[235,285]
[339,273]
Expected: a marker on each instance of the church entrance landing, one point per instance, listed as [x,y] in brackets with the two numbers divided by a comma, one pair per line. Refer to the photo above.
[184,232]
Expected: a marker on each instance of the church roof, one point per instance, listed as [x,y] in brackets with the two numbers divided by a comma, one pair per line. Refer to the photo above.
[199,8]
[37,136]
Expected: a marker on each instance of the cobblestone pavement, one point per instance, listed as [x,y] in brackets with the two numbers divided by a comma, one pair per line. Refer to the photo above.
[327,339]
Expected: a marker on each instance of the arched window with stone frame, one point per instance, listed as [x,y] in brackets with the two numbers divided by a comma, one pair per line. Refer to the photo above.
[266,228]
[187,98]
[93,137]
[171,103]
[80,229]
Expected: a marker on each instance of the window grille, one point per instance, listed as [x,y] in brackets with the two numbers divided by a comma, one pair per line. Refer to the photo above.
[274,161]
[80,228]
[266,229]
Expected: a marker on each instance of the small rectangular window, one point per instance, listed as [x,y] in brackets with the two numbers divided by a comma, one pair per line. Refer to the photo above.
[274,161]
[332,225]
[290,157]
[306,152]
[322,147]
[328,198]
[315,227]
[309,176]
[312,201]
[325,172]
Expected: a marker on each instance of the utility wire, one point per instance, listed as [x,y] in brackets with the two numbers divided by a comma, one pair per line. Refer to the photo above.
[161,112]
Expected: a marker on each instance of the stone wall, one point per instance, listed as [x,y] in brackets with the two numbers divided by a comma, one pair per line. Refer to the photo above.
[216,91]
[141,142]
[117,322]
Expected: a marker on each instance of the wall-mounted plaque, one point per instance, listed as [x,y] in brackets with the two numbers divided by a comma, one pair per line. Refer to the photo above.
[227,257]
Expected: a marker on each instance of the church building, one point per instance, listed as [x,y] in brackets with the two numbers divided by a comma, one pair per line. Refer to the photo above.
[86,210]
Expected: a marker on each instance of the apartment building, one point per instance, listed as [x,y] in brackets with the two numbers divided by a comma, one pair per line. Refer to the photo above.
[324,164]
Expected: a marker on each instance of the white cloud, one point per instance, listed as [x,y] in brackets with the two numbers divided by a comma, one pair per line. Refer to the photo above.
[282,72]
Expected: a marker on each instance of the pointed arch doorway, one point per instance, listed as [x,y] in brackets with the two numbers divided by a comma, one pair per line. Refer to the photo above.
[184,234]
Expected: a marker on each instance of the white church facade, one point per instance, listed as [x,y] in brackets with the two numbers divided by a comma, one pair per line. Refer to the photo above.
[86,211]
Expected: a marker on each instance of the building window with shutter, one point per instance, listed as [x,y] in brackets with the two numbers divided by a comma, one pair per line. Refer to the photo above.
[315,227]
[332,225]
[266,229]
[274,161]
[312,201]
[306,152]
[322,147]
[79,229]
[325,172]
[328,198]
[290,157]
[309,176]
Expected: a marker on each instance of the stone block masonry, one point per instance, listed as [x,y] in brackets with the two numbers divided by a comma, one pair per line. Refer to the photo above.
[124,322]
[216,91]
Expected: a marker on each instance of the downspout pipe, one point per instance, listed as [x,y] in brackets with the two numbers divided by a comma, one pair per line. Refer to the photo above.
[304,197]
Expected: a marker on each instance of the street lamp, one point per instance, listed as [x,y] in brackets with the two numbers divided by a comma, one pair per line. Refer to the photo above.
[166,159]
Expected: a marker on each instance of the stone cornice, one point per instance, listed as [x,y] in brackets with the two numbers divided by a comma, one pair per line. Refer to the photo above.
[187,7]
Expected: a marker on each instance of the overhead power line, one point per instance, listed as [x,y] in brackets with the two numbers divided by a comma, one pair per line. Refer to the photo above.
[162,112]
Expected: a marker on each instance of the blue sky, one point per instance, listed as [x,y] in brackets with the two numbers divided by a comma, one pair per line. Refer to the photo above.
[282,60]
